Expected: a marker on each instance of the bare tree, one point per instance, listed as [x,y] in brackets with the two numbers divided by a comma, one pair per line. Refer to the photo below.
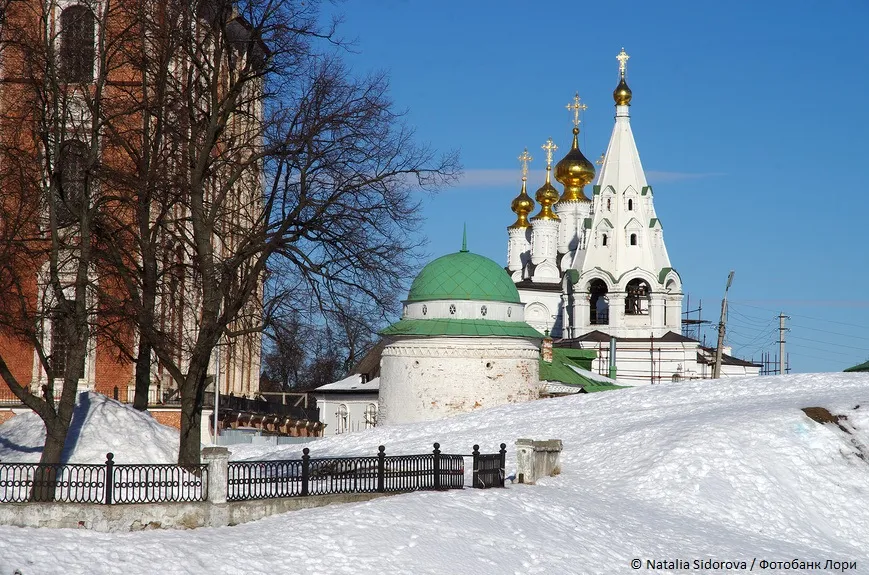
[53,91]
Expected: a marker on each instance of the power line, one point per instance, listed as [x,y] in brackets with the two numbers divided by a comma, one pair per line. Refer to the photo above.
[816,341]
[807,316]
[823,350]
[832,332]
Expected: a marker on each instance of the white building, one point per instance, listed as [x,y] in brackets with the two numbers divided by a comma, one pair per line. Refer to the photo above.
[596,270]
[348,405]
[462,343]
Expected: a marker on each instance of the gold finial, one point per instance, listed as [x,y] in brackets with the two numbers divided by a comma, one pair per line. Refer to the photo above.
[549,147]
[599,161]
[522,204]
[623,62]
[576,107]
[525,159]
[622,94]
[547,195]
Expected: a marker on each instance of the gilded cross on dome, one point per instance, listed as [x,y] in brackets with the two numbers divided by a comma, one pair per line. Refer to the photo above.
[599,161]
[524,159]
[549,147]
[623,61]
[576,107]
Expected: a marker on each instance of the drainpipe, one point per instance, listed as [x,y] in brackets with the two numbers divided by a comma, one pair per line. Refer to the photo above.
[612,357]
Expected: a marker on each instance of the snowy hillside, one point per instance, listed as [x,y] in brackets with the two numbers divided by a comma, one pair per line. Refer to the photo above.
[730,470]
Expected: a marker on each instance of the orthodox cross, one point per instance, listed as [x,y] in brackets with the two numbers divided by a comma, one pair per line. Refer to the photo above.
[576,107]
[549,147]
[599,161]
[623,61]
[524,159]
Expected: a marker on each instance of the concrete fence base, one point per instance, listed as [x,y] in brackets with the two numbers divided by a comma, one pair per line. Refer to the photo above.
[115,518]
[536,459]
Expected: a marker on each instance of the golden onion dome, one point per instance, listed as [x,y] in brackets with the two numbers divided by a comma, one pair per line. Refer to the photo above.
[622,94]
[522,206]
[574,172]
[546,196]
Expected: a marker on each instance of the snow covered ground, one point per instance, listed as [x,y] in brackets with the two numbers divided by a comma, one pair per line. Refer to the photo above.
[729,471]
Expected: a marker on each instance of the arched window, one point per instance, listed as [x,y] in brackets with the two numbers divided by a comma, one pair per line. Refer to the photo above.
[608,204]
[71,181]
[371,416]
[599,307]
[77,53]
[633,239]
[630,205]
[342,419]
[603,240]
[637,297]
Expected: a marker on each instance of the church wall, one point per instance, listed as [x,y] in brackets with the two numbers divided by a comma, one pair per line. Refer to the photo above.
[433,378]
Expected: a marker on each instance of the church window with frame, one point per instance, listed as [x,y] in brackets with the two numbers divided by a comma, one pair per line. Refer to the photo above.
[633,239]
[603,240]
[77,44]
[630,205]
[342,419]
[608,204]
[371,416]
[59,344]
[71,181]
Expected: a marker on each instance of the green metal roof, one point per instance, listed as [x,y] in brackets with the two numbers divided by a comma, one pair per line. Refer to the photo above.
[462,327]
[463,276]
[862,367]
[559,370]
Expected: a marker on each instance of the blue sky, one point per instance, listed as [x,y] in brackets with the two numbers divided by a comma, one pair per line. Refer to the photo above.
[750,118]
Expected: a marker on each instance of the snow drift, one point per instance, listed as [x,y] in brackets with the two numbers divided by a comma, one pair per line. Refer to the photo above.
[99,425]
[727,470]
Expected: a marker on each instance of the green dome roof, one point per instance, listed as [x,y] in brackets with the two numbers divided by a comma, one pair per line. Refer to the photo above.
[463,275]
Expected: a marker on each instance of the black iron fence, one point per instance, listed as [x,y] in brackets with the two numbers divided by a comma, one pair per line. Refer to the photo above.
[489,468]
[333,475]
[105,484]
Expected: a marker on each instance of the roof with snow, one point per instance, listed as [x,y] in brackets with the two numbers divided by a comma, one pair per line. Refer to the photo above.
[351,384]
[570,373]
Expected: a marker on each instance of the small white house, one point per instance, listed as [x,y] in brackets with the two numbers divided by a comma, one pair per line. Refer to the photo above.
[348,405]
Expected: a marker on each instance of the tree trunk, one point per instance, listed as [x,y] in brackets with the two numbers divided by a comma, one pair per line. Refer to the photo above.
[191,421]
[46,475]
[143,376]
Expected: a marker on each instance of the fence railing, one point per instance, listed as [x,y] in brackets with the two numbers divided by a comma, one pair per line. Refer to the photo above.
[489,468]
[334,475]
[103,484]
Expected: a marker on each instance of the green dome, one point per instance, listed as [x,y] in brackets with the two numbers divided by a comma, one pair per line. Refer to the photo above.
[463,275]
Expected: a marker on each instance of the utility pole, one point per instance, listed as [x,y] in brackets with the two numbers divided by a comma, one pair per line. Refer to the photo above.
[716,370]
[781,342]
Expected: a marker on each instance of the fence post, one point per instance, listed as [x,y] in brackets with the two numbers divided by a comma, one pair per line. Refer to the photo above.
[110,477]
[475,454]
[503,464]
[437,465]
[381,469]
[306,469]
[217,459]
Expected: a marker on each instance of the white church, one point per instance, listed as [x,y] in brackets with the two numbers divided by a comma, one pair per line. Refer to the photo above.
[594,271]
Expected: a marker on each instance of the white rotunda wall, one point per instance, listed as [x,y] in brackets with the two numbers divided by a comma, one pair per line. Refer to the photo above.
[423,379]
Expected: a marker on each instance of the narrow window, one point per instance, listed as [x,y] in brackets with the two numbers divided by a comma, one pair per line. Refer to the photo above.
[603,242]
[71,182]
[342,417]
[370,416]
[59,344]
[633,239]
[77,53]
[608,204]
[630,205]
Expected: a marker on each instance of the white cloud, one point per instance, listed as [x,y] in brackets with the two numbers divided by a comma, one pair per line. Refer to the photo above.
[494,178]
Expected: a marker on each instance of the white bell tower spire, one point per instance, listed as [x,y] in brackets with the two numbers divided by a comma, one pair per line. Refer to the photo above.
[626,285]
